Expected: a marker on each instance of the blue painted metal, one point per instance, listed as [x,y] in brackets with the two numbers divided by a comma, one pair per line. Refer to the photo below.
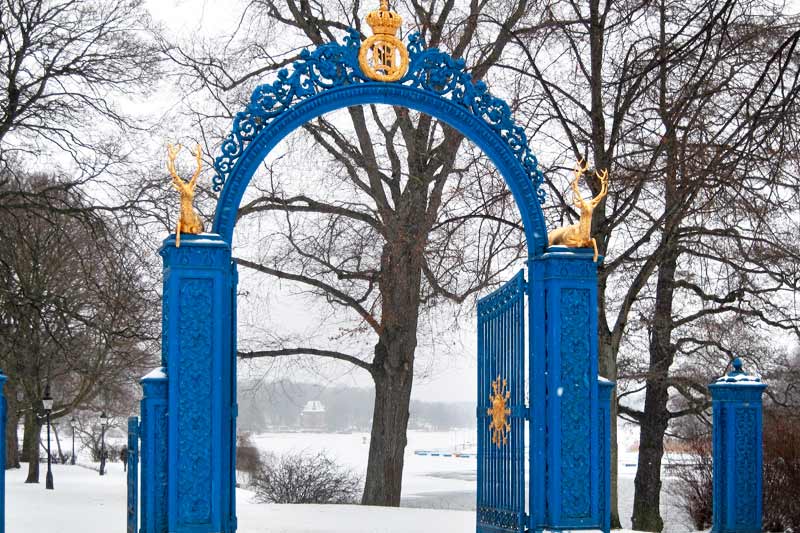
[231,450]
[133,474]
[566,480]
[501,354]
[606,388]
[737,451]
[199,351]
[329,78]
[3,414]
[154,437]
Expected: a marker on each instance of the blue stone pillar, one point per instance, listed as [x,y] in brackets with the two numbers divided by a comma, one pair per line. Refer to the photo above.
[737,451]
[154,437]
[3,414]
[567,481]
[199,355]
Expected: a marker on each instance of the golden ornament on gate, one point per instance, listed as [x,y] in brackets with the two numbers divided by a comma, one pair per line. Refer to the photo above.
[384,57]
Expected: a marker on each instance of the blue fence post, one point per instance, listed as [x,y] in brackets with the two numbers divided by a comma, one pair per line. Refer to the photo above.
[154,440]
[566,488]
[604,432]
[132,467]
[200,360]
[737,451]
[3,413]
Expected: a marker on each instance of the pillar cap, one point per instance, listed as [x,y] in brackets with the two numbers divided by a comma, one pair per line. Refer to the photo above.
[738,375]
[157,374]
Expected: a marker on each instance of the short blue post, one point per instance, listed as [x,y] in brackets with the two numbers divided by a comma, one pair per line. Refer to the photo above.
[154,440]
[3,409]
[737,451]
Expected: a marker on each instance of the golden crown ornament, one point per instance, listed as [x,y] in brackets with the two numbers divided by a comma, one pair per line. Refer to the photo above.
[384,57]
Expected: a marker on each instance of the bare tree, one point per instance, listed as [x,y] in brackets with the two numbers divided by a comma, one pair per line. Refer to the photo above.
[691,108]
[65,65]
[76,311]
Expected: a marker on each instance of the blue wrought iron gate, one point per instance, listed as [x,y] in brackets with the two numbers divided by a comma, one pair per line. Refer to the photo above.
[501,409]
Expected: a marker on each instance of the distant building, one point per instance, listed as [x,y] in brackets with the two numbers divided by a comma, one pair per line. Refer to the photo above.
[313,415]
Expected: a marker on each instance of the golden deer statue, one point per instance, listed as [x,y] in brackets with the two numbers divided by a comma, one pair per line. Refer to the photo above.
[188,221]
[580,235]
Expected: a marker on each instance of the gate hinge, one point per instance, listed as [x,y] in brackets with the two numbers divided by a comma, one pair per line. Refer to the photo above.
[235,410]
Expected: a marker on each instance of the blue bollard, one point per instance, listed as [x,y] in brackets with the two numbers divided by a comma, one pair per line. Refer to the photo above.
[3,409]
[737,451]
[154,440]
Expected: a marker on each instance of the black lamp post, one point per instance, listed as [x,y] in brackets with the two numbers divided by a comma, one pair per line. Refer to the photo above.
[73,424]
[103,424]
[47,403]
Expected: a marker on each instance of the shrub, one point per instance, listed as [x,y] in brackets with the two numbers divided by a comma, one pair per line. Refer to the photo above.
[304,478]
[693,489]
[248,458]
[781,471]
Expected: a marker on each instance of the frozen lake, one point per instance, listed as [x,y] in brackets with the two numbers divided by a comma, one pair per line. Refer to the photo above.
[436,482]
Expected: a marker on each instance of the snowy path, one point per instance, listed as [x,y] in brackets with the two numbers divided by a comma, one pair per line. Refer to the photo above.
[84,502]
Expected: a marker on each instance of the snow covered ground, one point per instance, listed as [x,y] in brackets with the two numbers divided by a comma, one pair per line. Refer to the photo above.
[436,488]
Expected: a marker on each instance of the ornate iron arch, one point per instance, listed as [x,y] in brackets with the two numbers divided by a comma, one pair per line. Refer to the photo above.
[330,78]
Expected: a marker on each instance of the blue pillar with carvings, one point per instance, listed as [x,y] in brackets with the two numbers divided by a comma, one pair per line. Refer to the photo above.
[567,481]
[3,414]
[199,355]
[737,451]
[154,437]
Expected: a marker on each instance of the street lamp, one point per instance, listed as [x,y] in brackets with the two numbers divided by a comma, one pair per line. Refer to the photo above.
[73,424]
[47,403]
[103,424]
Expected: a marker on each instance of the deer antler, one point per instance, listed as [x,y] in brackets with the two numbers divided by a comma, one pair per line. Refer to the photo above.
[172,154]
[580,168]
[603,177]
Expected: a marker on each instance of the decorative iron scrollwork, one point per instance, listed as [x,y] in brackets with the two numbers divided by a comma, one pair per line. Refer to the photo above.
[336,65]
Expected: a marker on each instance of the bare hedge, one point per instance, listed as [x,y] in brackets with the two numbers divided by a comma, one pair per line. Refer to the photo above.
[304,478]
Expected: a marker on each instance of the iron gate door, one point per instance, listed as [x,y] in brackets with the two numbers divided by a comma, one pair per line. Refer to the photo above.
[501,409]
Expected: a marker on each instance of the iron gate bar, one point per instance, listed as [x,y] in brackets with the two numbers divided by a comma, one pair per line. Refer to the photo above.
[501,372]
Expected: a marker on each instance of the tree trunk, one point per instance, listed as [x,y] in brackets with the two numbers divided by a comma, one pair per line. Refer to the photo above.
[388,440]
[654,421]
[61,459]
[30,445]
[12,439]
[393,364]
[608,369]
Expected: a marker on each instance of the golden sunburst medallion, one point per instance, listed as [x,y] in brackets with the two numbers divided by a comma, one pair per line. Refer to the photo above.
[383,57]
[499,411]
